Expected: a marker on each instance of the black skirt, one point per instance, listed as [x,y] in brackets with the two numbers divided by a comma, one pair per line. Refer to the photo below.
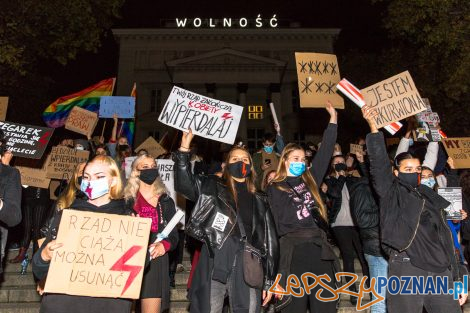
[156,280]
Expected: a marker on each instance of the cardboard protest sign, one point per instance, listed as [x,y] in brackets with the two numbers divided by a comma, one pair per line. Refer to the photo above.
[356,149]
[394,99]
[207,117]
[63,161]
[152,147]
[35,177]
[3,108]
[103,255]
[459,150]
[81,121]
[318,75]
[454,196]
[25,140]
[124,107]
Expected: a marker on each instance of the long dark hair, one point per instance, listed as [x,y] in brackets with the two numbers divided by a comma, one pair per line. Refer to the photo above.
[230,182]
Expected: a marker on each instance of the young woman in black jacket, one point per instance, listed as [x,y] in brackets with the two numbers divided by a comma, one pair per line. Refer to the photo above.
[413,227]
[301,218]
[102,184]
[225,208]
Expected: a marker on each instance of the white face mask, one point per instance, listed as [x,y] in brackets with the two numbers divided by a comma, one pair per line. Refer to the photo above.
[79,148]
[95,188]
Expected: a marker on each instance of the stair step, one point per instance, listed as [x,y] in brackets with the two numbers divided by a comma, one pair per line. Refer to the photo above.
[19,294]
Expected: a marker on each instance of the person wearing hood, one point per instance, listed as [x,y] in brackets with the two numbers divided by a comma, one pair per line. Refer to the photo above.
[414,231]
[102,185]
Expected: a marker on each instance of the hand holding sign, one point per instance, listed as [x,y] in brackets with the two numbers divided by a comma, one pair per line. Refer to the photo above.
[186,140]
[369,115]
[332,111]
[48,252]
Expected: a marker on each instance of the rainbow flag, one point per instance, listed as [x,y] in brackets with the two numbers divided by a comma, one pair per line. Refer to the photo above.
[56,114]
[128,127]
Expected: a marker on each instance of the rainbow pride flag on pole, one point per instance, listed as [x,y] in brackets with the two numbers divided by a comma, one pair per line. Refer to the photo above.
[127,128]
[56,114]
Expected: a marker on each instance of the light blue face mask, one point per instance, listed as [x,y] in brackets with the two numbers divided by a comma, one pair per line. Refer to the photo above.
[430,182]
[268,149]
[297,168]
[95,188]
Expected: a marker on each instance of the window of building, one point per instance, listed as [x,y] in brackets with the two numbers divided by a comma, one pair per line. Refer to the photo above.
[155,100]
[255,136]
[255,112]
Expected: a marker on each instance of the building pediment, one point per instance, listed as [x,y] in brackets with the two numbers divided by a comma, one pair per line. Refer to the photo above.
[225,57]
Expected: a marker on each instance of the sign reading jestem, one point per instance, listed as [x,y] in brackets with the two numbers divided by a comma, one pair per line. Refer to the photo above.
[207,117]
[103,255]
[394,99]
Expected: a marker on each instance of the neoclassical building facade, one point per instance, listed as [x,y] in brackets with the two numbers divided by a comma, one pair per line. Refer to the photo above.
[248,67]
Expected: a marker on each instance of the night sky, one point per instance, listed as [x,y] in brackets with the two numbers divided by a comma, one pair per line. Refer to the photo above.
[358,19]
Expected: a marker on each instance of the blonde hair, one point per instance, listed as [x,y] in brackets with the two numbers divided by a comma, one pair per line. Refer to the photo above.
[68,196]
[250,180]
[133,183]
[115,192]
[307,178]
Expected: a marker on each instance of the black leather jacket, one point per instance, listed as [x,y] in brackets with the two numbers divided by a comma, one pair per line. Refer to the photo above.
[215,203]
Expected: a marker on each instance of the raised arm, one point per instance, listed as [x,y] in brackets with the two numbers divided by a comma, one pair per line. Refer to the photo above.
[430,160]
[321,161]
[380,168]
[279,140]
[186,183]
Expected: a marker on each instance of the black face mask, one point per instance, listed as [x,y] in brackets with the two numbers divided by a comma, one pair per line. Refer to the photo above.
[411,179]
[148,176]
[239,169]
[123,147]
[340,167]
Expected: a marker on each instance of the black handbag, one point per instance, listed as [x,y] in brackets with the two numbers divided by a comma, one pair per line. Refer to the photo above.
[252,261]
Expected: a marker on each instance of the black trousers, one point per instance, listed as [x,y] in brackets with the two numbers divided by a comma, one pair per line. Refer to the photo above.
[349,244]
[399,265]
[306,259]
[34,217]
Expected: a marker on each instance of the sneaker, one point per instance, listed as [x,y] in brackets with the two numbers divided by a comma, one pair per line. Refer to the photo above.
[180,268]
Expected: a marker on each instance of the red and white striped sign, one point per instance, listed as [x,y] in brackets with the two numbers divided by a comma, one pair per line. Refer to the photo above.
[355,95]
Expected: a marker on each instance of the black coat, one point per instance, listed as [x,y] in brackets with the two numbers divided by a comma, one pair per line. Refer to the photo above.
[213,200]
[10,193]
[401,205]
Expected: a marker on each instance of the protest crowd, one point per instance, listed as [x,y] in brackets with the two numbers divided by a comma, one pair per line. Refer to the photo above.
[104,217]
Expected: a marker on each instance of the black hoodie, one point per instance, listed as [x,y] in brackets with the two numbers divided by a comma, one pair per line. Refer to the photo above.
[78,304]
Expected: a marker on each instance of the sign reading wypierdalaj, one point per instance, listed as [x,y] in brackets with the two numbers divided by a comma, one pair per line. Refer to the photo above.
[207,117]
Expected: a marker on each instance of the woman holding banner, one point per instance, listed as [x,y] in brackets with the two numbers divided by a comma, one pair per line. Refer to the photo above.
[103,186]
[146,195]
[229,217]
[301,218]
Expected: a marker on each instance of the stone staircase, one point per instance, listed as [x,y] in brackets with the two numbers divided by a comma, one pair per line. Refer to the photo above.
[18,292]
